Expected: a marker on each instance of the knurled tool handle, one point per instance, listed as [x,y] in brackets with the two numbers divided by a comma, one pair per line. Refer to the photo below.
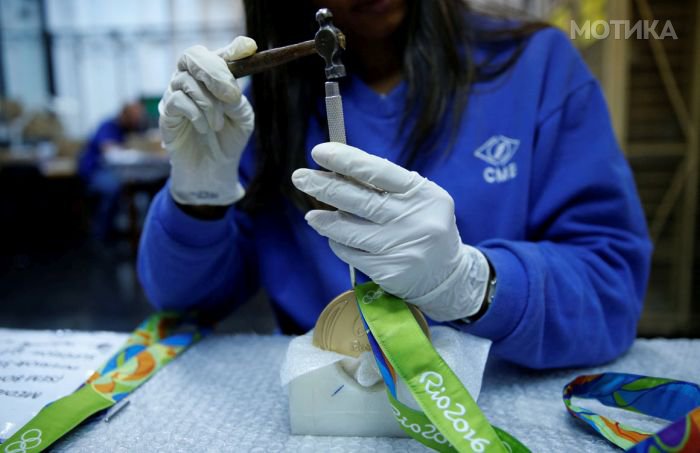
[336,129]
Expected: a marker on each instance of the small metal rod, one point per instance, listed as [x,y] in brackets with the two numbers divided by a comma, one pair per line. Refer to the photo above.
[114,410]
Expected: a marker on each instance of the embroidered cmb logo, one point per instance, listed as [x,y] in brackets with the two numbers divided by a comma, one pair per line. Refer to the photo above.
[29,440]
[498,151]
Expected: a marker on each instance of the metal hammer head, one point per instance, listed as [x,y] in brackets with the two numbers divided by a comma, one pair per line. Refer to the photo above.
[329,44]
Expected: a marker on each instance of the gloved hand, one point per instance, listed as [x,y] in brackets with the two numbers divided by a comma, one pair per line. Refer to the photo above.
[402,234]
[206,122]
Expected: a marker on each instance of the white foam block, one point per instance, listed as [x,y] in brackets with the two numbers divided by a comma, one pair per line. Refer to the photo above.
[327,396]
[329,402]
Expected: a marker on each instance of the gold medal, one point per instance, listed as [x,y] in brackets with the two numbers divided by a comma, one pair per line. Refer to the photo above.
[340,328]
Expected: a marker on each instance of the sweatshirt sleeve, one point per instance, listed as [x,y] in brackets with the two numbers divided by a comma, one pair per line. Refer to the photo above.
[572,292]
[186,263]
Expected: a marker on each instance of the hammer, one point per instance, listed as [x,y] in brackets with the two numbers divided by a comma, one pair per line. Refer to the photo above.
[328,43]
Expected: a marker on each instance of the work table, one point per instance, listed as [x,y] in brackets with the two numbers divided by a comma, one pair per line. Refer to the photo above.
[224,395]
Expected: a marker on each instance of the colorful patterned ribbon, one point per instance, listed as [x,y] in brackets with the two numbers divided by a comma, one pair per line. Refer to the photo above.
[451,420]
[156,342]
[676,401]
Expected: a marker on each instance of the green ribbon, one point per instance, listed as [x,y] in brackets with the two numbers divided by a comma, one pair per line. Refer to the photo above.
[55,420]
[451,420]
[156,342]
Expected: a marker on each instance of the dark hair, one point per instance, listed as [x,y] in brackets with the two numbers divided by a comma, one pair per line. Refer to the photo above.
[438,66]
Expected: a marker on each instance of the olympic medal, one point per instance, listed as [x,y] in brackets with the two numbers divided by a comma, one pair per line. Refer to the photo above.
[340,328]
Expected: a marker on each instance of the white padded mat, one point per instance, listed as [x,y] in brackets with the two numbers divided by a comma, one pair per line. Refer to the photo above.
[224,395]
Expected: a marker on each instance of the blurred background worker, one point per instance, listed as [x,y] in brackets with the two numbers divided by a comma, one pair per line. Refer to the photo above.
[66,65]
[102,181]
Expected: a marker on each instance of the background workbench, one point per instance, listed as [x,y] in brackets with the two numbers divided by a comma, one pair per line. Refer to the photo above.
[224,395]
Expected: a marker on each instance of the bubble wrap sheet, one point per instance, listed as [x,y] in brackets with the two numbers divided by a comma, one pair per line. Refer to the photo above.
[224,395]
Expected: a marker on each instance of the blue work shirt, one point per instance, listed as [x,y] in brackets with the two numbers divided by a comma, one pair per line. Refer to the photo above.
[539,186]
[91,158]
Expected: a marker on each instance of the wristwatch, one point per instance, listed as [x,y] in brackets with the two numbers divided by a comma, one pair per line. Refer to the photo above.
[488,297]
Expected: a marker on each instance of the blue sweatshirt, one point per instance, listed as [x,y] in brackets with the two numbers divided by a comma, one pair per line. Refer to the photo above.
[108,132]
[539,185]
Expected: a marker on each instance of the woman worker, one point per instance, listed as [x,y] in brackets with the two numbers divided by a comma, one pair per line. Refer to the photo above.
[502,204]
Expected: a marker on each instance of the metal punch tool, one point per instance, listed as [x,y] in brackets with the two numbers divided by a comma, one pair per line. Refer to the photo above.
[329,47]
[329,42]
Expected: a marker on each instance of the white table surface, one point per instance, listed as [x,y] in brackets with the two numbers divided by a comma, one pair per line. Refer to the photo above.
[224,395]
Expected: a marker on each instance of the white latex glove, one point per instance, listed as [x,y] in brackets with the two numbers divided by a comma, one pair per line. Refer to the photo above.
[206,122]
[403,235]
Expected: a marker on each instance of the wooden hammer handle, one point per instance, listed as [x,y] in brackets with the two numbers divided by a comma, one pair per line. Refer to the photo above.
[270,58]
